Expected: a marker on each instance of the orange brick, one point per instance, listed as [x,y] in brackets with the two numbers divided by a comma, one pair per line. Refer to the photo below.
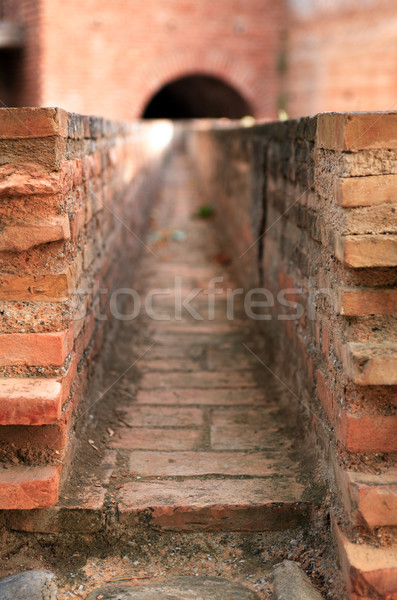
[77,222]
[366,301]
[366,191]
[325,339]
[25,401]
[370,499]
[77,171]
[361,251]
[22,236]
[27,487]
[51,287]
[367,433]
[28,179]
[38,349]
[237,505]
[33,123]
[326,396]
[357,131]
[369,572]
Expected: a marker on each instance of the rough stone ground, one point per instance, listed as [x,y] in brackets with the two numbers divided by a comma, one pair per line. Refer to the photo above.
[186,465]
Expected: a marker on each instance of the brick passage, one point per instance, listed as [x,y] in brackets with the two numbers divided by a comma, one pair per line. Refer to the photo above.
[188,434]
[199,435]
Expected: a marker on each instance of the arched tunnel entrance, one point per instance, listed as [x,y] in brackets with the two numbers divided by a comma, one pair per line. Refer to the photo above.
[197,97]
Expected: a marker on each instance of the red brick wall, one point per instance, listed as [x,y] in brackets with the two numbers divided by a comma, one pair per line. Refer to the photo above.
[30,74]
[75,194]
[341,56]
[109,58]
[318,196]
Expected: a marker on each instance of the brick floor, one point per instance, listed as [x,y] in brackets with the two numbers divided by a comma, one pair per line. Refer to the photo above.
[200,409]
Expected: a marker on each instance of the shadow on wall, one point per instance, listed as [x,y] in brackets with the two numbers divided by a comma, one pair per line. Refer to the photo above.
[197,97]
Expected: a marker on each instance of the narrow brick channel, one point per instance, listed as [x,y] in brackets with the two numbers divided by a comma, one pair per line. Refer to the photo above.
[187,465]
[201,433]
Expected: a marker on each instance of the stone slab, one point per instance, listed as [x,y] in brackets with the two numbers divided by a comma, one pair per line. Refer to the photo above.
[179,588]
[35,585]
[291,583]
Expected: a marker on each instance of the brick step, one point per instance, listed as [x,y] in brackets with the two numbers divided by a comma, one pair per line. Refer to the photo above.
[208,362]
[214,505]
[203,397]
[370,571]
[27,487]
[369,499]
[199,326]
[214,350]
[177,490]
[371,364]
[79,509]
[199,379]
[189,340]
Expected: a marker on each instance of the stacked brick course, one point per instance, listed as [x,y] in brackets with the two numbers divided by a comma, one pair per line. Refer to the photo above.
[75,193]
[309,207]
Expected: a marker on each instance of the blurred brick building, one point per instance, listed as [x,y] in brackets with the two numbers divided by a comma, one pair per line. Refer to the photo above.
[127,58]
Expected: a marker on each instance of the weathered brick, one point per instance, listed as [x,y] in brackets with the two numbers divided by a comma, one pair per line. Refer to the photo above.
[25,401]
[357,131]
[203,379]
[28,487]
[370,499]
[38,349]
[366,191]
[370,364]
[192,464]
[326,396]
[163,416]
[370,220]
[369,571]
[22,236]
[355,301]
[255,417]
[33,123]
[51,287]
[366,433]
[362,251]
[28,179]
[77,222]
[214,397]
[147,438]
[240,437]
[236,505]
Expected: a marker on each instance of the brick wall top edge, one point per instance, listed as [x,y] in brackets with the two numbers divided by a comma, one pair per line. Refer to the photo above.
[343,131]
[16,123]
[22,123]
[304,127]
[353,131]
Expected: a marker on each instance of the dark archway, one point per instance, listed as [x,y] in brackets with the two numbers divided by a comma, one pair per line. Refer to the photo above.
[196,97]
